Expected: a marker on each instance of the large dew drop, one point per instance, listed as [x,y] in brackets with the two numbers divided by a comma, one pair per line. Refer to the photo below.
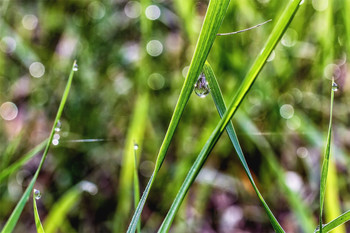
[37,194]
[201,88]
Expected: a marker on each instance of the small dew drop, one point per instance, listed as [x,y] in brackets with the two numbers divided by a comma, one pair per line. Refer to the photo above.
[58,126]
[334,86]
[75,67]
[201,88]
[88,186]
[37,194]
[136,146]
[302,2]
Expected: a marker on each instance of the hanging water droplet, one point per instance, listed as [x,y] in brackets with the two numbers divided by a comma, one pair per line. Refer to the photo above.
[334,86]
[58,126]
[201,88]
[302,2]
[75,67]
[136,146]
[37,194]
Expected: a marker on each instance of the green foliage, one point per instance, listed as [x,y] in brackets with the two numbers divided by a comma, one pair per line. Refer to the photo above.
[133,57]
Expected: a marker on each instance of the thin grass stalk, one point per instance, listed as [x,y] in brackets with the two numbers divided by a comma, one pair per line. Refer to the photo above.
[325,164]
[12,221]
[38,225]
[136,186]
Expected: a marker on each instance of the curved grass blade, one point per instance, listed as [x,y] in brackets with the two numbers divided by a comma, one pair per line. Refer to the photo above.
[16,165]
[325,164]
[39,226]
[275,36]
[58,212]
[221,107]
[12,221]
[336,222]
[213,19]
[302,213]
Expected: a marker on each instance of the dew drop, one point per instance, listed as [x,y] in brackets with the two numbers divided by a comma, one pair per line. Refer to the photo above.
[88,186]
[302,2]
[58,126]
[201,88]
[136,146]
[75,67]
[334,86]
[37,194]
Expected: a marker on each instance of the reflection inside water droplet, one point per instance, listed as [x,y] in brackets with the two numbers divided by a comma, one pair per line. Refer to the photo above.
[201,88]
[75,67]
[37,194]
[58,126]
[334,86]
[136,146]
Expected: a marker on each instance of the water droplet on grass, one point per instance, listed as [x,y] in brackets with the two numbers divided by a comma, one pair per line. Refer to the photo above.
[136,146]
[58,126]
[201,88]
[334,86]
[75,67]
[37,194]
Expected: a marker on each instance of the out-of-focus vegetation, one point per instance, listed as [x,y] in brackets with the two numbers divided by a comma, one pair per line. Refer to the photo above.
[132,57]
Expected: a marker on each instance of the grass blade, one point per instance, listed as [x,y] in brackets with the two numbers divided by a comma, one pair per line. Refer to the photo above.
[39,226]
[325,164]
[136,132]
[213,19]
[298,206]
[12,221]
[136,185]
[60,209]
[275,36]
[16,165]
[221,107]
[336,222]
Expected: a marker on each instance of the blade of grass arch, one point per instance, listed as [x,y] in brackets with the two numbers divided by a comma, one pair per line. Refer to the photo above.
[221,107]
[213,19]
[12,221]
[258,64]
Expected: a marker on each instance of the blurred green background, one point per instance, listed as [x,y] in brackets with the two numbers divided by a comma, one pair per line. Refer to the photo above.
[133,57]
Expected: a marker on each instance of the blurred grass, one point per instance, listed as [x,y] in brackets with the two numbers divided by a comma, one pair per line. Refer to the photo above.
[113,77]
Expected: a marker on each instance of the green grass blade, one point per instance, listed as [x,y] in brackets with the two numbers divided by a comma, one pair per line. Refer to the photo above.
[16,165]
[325,164]
[39,226]
[302,213]
[10,151]
[275,36]
[213,19]
[136,133]
[12,221]
[136,186]
[221,107]
[336,222]
[60,209]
